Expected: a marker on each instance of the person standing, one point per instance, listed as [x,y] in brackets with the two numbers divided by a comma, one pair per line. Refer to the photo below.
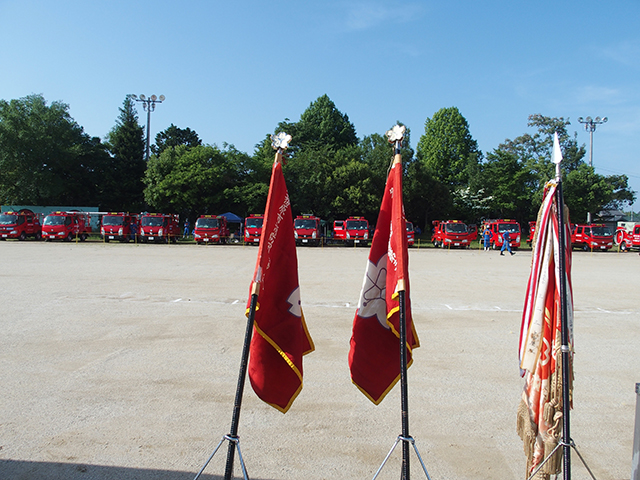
[506,239]
[185,234]
[486,236]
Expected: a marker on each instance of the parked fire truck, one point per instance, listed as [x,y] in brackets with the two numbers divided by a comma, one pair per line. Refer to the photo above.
[253,228]
[159,227]
[21,224]
[411,234]
[497,229]
[211,229]
[66,226]
[627,236]
[450,233]
[306,230]
[119,226]
[591,237]
[532,232]
[352,231]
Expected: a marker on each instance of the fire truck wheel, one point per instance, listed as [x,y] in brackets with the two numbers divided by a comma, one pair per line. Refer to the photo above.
[23,236]
[68,238]
[83,237]
[585,248]
[623,246]
[38,237]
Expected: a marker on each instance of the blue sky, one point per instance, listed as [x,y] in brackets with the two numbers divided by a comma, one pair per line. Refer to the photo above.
[232,70]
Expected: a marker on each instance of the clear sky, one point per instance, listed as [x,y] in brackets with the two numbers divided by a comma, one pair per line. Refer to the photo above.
[232,70]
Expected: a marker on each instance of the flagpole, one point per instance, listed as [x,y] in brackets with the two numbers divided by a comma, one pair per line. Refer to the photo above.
[564,329]
[233,434]
[404,389]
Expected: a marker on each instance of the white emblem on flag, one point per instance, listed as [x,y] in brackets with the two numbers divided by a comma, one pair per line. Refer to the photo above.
[372,298]
[294,301]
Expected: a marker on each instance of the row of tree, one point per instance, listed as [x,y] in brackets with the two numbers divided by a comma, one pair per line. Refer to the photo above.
[47,159]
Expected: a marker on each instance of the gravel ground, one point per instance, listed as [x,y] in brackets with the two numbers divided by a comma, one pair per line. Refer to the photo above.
[120,361]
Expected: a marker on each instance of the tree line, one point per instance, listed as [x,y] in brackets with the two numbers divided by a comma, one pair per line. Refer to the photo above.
[46,158]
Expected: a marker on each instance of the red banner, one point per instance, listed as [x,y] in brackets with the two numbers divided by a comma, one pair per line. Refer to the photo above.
[280,335]
[374,357]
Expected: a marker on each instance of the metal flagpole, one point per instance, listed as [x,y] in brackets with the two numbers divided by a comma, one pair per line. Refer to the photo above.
[396,135]
[232,437]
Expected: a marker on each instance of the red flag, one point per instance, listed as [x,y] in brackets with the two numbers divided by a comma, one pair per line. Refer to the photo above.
[540,412]
[280,333]
[374,357]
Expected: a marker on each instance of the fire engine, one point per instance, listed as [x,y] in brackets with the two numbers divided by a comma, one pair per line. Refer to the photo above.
[450,233]
[591,237]
[159,227]
[352,231]
[497,229]
[628,236]
[411,234]
[20,225]
[253,228]
[532,232]
[306,230]
[119,226]
[66,226]
[211,229]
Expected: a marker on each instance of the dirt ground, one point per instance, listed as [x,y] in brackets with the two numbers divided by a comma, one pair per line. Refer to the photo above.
[120,361]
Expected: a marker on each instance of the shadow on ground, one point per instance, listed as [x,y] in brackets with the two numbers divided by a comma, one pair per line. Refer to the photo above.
[25,470]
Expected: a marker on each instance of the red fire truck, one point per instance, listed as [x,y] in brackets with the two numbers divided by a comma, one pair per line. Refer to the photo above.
[628,236]
[450,233]
[20,225]
[306,229]
[159,227]
[66,226]
[591,237]
[497,229]
[411,234]
[352,231]
[253,228]
[211,229]
[119,226]
[532,232]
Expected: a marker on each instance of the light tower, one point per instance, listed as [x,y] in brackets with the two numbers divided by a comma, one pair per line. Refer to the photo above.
[590,125]
[148,105]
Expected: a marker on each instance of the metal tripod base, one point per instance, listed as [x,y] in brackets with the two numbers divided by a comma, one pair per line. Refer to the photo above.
[562,444]
[231,439]
[412,442]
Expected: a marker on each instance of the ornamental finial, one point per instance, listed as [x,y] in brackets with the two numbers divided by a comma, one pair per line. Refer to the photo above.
[280,141]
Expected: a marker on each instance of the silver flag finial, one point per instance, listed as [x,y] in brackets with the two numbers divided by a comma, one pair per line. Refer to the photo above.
[396,133]
[280,141]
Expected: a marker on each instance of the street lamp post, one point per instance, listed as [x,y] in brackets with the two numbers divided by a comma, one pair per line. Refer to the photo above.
[148,105]
[590,125]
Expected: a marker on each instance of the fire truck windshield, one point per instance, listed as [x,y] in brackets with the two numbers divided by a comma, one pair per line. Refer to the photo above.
[601,231]
[8,219]
[112,220]
[254,222]
[356,225]
[152,221]
[456,228]
[304,223]
[508,227]
[207,223]
[409,227]
[54,220]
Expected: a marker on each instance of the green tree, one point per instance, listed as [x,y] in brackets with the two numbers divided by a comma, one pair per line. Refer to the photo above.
[45,156]
[127,145]
[191,181]
[173,136]
[447,148]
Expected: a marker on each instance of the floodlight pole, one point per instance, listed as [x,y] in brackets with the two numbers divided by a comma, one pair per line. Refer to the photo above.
[148,105]
[590,125]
